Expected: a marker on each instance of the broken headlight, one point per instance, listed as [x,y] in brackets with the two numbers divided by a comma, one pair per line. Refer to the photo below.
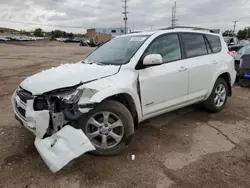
[40,103]
[73,97]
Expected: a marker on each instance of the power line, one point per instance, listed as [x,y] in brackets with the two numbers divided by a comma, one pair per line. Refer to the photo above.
[125,14]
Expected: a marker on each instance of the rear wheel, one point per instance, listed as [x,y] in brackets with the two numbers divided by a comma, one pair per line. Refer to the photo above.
[108,127]
[218,97]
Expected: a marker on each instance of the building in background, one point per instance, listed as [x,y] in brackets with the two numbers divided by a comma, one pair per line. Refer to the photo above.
[113,31]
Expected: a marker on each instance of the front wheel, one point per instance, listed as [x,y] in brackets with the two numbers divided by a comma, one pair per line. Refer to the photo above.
[218,97]
[109,127]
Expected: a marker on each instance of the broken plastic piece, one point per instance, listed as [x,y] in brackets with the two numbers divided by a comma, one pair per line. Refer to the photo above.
[133,157]
[62,147]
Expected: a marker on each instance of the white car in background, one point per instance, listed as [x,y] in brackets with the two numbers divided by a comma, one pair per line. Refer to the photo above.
[96,104]
[3,39]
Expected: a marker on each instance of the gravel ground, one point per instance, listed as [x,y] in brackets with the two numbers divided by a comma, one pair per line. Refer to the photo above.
[183,149]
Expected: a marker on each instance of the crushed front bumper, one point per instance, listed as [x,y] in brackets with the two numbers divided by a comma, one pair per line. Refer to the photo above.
[60,148]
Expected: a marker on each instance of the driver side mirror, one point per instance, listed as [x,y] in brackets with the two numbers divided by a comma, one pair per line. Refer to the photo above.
[153,59]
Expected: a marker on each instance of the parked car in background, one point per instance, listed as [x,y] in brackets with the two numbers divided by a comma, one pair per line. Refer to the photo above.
[231,40]
[61,39]
[234,44]
[3,39]
[84,42]
[242,65]
[96,105]
[23,38]
[72,40]
[239,54]
[244,42]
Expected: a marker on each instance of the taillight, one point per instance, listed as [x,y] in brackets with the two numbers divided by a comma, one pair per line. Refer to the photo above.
[230,53]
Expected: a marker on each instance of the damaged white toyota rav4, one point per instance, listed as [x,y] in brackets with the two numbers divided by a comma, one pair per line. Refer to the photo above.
[95,105]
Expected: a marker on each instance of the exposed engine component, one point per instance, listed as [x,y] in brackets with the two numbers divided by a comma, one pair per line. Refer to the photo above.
[58,121]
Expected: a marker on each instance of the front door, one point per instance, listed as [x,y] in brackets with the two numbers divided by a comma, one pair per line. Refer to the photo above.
[165,85]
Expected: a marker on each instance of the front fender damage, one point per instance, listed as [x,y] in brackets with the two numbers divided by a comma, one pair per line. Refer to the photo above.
[57,141]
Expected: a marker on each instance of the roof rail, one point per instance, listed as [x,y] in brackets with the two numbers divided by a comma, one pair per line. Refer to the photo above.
[194,28]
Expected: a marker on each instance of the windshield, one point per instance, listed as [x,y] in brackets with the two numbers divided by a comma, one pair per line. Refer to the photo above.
[117,51]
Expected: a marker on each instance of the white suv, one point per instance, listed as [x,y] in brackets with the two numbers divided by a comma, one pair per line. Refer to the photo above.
[125,81]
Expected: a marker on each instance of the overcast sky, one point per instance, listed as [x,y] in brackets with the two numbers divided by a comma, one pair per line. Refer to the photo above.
[107,13]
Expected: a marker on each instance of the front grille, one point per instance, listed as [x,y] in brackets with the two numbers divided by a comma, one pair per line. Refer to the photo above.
[23,94]
[20,110]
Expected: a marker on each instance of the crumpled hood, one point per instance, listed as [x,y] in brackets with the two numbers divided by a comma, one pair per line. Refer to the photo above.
[66,75]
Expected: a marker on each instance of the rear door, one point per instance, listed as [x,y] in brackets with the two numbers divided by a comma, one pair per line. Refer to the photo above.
[201,65]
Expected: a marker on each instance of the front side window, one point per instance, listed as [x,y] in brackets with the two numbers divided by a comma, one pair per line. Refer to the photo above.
[167,46]
[214,42]
[194,45]
[117,51]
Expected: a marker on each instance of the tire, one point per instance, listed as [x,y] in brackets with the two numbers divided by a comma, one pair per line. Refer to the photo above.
[210,104]
[116,111]
[244,83]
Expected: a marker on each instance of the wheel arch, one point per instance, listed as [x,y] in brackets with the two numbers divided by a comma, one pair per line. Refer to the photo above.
[226,76]
[129,103]
[127,97]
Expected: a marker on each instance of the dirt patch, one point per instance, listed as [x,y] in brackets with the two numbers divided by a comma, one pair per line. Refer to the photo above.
[225,169]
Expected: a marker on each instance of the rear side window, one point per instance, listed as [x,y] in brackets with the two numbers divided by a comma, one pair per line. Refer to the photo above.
[215,43]
[194,45]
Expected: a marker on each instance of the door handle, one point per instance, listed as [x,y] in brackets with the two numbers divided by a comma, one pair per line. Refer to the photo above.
[215,62]
[182,69]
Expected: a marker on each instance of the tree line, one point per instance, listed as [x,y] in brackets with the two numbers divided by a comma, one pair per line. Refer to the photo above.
[53,34]
[242,34]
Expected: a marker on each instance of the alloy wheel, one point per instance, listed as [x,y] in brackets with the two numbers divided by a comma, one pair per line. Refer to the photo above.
[105,130]
[220,95]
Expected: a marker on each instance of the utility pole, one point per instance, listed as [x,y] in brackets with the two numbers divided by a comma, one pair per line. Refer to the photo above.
[174,15]
[151,27]
[247,32]
[234,25]
[125,14]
